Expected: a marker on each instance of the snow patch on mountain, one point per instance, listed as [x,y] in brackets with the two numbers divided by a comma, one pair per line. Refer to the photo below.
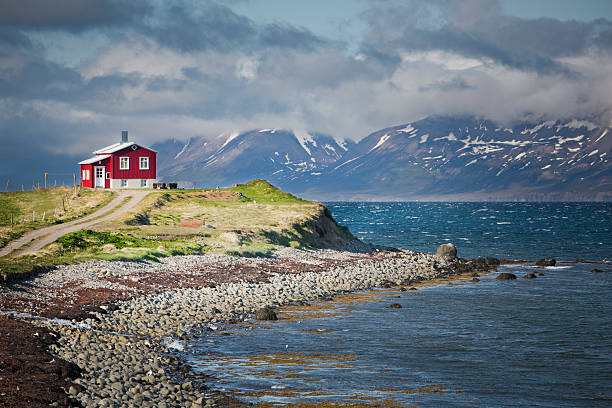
[605,132]
[450,137]
[303,138]
[382,140]
[231,137]
[347,162]
[562,140]
[407,129]
[520,155]
[342,144]
[184,149]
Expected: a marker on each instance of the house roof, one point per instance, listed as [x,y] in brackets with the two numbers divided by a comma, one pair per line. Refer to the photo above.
[95,159]
[119,146]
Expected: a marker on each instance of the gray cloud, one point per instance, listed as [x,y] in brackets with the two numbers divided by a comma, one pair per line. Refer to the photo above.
[74,15]
[477,29]
[289,37]
[13,40]
[215,26]
[454,83]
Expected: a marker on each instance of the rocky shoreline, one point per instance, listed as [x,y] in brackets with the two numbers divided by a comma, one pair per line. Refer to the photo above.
[124,341]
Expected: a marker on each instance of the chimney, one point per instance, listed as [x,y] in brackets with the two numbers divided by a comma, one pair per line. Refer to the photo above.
[124,136]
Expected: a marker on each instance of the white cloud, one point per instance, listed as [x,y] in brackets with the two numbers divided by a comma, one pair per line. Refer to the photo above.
[448,60]
[139,56]
[246,68]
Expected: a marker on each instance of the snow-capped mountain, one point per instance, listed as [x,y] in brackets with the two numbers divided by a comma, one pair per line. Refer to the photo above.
[434,158]
[454,156]
[234,157]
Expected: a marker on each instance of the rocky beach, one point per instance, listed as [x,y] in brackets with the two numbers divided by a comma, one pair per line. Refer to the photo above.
[123,324]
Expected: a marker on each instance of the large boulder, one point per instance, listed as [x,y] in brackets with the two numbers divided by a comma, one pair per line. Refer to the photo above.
[394,306]
[266,313]
[506,276]
[546,262]
[387,284]
[492,261]
[447,251]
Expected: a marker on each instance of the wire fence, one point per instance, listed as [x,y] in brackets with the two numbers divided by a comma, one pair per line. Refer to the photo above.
[49,180]
[14,217]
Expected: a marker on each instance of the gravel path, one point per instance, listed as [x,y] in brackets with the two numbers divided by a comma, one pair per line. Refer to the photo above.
[37,239]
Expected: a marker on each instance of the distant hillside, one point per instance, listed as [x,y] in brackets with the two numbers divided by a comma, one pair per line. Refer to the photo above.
[437,158]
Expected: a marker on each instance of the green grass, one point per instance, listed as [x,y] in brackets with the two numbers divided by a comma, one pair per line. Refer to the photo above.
[23,205]
[264,192]
[89,244]
[252,250]
[95,241]
[8,209]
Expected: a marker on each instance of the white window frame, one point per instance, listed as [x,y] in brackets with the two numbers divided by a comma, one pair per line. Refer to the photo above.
[84,175]
[123,182]
[124,164]
[143,183]
[146,160]
[108,174]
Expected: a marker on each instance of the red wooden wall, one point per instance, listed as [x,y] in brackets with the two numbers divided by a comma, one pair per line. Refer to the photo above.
[134,172]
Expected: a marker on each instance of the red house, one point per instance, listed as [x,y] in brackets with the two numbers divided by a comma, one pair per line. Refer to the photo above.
[120,165]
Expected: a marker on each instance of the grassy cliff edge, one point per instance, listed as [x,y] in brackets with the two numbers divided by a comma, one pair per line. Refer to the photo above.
[249,220]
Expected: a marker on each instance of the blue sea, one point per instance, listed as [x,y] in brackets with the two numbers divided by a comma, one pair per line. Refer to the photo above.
[544,342]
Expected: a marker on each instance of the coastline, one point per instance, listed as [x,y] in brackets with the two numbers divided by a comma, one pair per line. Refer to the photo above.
[126,337]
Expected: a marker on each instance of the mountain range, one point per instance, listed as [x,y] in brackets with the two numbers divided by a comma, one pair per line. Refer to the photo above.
[437,158]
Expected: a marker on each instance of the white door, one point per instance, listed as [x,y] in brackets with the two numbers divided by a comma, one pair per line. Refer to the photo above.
[99,177]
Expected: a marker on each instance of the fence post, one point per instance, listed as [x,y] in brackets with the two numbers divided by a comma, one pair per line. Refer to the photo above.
[63,205]
[11,218]
[46,175]
[74,179]
[33,215]
[44,213]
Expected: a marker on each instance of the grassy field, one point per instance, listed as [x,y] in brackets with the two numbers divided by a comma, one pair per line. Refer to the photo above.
[247,220]
[22,211]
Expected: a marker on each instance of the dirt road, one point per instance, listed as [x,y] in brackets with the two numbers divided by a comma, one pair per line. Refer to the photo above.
[37,239]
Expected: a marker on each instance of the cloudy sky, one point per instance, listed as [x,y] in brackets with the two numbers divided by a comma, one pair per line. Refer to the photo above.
[74,73]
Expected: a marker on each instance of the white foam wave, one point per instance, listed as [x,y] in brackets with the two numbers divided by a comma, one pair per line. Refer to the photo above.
[174,344]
